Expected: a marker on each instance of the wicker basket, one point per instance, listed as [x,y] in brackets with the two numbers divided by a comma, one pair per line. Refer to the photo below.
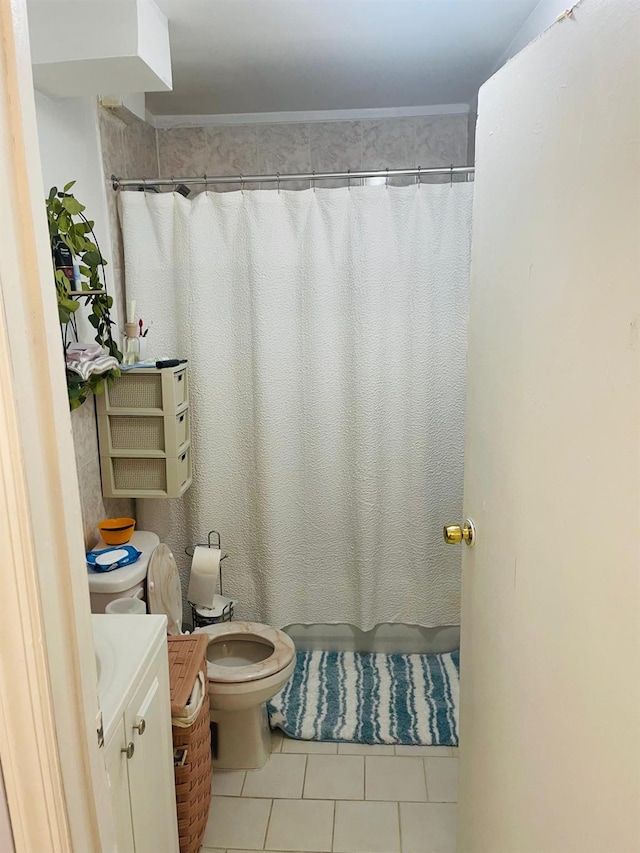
[187,656]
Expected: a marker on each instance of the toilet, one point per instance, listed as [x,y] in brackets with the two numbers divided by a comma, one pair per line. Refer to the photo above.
[126,582]
[247,664]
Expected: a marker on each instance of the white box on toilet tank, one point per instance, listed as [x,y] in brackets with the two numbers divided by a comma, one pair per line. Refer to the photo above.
[126,582]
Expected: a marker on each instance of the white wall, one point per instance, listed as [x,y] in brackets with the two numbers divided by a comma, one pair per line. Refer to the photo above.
[542,17]
[70,150]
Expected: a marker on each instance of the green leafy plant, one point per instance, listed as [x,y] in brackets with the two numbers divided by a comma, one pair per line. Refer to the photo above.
[67,223]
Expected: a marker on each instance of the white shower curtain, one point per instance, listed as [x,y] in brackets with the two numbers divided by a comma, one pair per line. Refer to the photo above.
[326,337]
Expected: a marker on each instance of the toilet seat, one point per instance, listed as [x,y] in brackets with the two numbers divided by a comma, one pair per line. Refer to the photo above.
[164,593]
[280,651]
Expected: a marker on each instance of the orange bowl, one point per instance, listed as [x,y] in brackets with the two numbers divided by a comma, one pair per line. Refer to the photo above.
[117,531]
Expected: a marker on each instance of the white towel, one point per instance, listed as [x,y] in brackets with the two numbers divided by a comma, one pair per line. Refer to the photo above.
[85,369]
[83,352]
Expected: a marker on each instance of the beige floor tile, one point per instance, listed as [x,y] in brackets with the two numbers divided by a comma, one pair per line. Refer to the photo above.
[227,783]
[300,826]
[366,828]
[424,750]
[282,777]
[365,749]
[442,779]
[429,827]
[395,779]
[334,777]
[237,822]
[309,747]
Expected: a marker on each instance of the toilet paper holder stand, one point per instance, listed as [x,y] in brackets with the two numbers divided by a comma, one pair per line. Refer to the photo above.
[213,541]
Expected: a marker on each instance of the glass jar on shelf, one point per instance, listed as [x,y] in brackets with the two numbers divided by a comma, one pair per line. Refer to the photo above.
[131,344]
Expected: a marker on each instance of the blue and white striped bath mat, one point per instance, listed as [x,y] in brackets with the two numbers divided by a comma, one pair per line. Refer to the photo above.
[371,698]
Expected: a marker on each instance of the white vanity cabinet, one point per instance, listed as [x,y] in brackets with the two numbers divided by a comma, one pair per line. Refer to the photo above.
[118,773]
[137,722]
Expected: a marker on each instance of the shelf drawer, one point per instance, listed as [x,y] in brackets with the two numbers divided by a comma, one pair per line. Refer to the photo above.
[135,391]
[182,429]
[146,476]
[180,387]
[140,435]
[146,391]
[128,432]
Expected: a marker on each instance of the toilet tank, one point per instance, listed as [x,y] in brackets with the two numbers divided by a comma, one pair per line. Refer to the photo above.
[126,582]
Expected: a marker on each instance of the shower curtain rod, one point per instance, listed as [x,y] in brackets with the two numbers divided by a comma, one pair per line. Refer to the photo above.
[416,172]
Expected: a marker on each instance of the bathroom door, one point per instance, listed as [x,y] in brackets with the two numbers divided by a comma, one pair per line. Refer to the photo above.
[550,707]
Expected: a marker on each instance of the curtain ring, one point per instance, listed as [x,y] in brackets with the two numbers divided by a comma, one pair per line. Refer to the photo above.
[313,180]
[451,176]
[278,181]
[418,177]
[349,179]
[241,184]
[173,181]
[206,183]
[387,178]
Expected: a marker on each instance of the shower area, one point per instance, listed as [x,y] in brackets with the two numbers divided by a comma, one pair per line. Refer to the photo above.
[324,323]
[323,315]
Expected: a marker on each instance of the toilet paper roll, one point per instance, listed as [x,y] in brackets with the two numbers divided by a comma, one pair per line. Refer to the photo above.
[205,571]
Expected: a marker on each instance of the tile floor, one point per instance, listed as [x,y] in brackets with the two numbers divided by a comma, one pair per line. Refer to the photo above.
[337,798]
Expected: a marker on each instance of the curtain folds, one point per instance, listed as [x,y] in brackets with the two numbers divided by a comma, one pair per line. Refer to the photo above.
[326,338]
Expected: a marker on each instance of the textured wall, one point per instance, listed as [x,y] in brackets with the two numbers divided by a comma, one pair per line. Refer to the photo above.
[317,146]
[128,151]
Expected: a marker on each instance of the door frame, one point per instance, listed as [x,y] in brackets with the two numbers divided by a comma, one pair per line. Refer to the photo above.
[54,772]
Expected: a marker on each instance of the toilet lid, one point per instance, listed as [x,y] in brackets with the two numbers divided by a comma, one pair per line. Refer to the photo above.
[164,592]
[283,651]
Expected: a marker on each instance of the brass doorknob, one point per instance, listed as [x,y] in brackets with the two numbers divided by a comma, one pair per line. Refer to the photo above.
[454,533]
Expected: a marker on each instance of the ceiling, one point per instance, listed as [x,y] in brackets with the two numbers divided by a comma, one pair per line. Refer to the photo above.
[247,56]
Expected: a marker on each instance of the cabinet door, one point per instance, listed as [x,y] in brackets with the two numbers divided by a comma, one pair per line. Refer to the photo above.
[151,780]
[116,762]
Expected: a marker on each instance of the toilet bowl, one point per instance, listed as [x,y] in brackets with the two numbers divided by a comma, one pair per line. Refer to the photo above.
[247,664]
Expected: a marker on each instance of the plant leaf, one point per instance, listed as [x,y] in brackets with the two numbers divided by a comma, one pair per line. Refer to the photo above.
[76,234]
[72,205]
[70,304]
[92,258]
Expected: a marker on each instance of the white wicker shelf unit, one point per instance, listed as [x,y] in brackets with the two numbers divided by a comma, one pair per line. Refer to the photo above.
[143,429]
